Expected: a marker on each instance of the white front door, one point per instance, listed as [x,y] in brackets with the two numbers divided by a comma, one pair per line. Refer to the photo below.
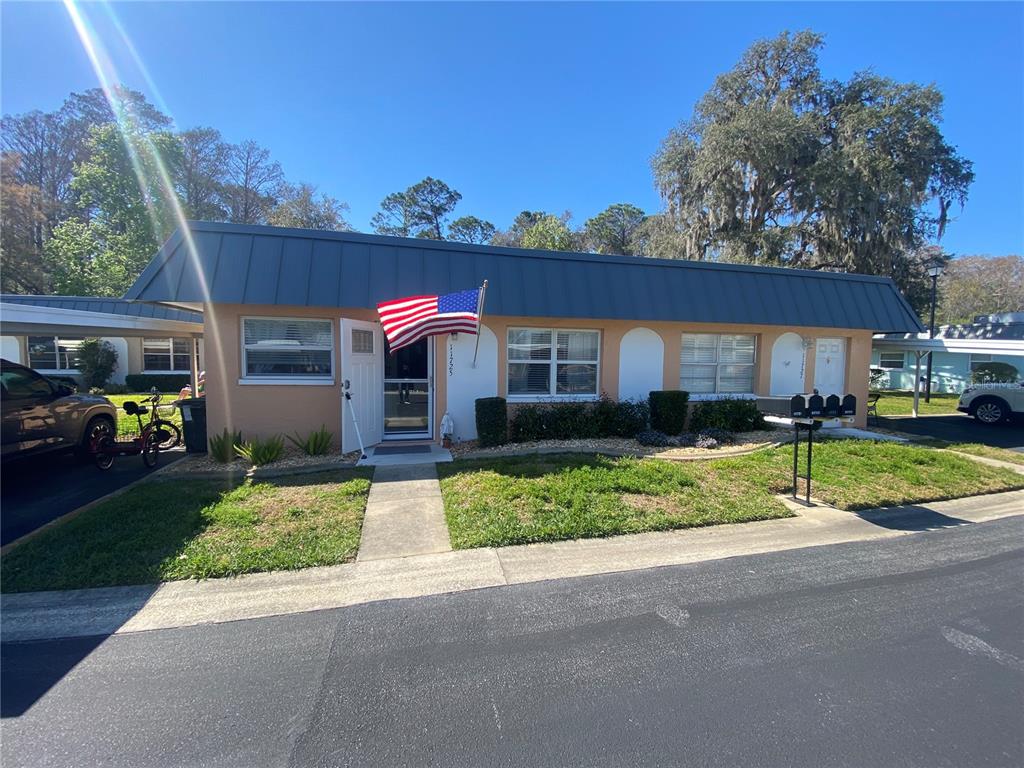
[362,374]
[830,367]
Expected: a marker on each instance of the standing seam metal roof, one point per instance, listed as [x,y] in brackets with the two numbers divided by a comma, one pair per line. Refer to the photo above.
[245,264]
[104,305]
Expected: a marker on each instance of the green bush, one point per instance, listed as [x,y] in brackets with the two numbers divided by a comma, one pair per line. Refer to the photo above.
[97,360]
[259,452]
[620,419]
[668,410]
[222,447]
[164,382]
[315,443]
[730,414]
[491,421]
[994,373]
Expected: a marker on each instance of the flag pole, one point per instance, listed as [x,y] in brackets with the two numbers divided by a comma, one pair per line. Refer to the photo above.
[479,320]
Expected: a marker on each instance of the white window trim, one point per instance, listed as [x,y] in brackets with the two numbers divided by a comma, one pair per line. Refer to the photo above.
[554,362]
[49,371]
[694,396]
[170,352]
[284,380]
[903,364]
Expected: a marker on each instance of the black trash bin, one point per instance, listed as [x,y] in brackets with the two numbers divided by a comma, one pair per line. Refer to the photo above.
[193,421]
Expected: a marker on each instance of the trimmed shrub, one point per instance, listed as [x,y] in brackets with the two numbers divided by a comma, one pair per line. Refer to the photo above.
[222,447]
[668,410]
[97,360]
[164,382]
[653,438]
[620,419]
[730,414]
[316,443]
[259,452]
[491,421]
[705,441]
[528,423]
[994,373]
[722,436]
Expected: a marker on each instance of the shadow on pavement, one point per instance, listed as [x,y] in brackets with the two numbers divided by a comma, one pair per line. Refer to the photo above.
[29,670]
[910,518]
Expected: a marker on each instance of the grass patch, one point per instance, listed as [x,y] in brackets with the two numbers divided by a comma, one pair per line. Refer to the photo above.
[129,425]
[975,449]
[902,404]
[517,500]
[167,530]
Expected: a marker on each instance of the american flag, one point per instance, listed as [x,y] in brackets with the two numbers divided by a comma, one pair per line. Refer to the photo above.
[410,319]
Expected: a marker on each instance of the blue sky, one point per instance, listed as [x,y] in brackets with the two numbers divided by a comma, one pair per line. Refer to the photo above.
[540,106]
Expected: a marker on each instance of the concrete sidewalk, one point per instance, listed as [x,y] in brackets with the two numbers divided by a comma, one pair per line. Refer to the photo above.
[42,615]
[404,514]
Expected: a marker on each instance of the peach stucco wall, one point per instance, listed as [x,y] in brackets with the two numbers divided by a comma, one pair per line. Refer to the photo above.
[272,408]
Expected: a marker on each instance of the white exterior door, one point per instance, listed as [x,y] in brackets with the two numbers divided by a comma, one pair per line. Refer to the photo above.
[362,376]
[830,367]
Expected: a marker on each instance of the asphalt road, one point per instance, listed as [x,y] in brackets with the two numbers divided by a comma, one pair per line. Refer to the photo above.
[959,428]
[903,653]
[38,489]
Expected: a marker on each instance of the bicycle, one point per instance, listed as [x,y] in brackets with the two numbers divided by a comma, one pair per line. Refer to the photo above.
[173,430]
[151,436]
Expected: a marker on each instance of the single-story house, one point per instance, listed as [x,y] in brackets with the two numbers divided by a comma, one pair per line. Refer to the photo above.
[956,351]
[290,324]
[43,332]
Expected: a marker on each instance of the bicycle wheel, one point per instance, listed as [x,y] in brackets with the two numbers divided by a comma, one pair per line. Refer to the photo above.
[173,431]
[104,456]
[151,449]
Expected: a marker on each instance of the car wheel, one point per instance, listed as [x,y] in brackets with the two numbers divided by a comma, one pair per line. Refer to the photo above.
[97,428]
[990,411]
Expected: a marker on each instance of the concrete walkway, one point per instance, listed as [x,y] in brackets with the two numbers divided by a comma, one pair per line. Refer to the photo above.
[42,615]
[404,514]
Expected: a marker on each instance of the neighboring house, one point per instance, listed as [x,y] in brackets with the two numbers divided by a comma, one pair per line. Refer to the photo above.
[290,320]
[956,351]
[43,332]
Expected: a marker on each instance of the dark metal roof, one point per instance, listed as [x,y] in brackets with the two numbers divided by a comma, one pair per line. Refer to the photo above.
[246,264]
[108,306]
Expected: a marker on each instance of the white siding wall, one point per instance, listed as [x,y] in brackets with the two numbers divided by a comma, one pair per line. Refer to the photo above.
[465,383]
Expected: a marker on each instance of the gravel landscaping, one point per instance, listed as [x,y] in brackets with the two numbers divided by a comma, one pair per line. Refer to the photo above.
[292,459]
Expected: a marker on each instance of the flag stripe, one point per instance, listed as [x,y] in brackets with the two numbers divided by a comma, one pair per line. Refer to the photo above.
[409,319]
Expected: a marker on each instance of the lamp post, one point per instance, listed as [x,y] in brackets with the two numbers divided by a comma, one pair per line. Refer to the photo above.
[934,271]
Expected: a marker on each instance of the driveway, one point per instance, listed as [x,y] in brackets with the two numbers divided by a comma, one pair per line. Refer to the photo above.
[39,489]
[959,428]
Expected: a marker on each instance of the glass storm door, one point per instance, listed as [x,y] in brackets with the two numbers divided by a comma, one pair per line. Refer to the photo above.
[407,391]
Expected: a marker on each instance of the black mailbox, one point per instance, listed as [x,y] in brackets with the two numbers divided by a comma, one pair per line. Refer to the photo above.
[832,405]
[849,406]
[797,406]
[815,405]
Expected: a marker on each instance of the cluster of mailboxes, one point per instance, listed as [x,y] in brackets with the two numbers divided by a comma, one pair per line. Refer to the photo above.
[811,406]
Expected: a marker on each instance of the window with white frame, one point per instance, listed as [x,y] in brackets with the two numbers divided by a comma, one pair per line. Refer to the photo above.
[50,353]
[977,360]
[166,355]
[551,362]
[713,363]
[891,360]
[287,348]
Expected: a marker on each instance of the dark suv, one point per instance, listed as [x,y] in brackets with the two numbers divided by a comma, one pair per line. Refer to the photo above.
[42,415]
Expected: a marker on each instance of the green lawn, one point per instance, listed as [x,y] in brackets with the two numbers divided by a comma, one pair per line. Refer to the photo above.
[902,404]
[515,500]
[975,449]
[188,529]
[129,425]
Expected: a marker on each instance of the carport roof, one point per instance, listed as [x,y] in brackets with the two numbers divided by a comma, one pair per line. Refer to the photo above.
[89,316]
[244,264]
[105,305]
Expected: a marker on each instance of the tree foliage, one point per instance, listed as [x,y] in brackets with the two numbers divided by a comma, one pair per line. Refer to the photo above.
[299,206]
[513,236]
[423,210]
[778,165]
[550,233]
[981,285]
[97,360]
[618,229]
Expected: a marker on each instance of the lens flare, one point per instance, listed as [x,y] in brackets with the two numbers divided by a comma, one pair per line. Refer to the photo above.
[142,152]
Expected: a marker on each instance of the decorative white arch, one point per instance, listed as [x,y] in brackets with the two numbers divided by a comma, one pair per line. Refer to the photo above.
[641,363]
[466,383]
[788,363]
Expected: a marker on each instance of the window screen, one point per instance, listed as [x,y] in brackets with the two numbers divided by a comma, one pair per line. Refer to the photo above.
[547,361]
[890,360]
[362,341]
[283,347]
[713,363]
